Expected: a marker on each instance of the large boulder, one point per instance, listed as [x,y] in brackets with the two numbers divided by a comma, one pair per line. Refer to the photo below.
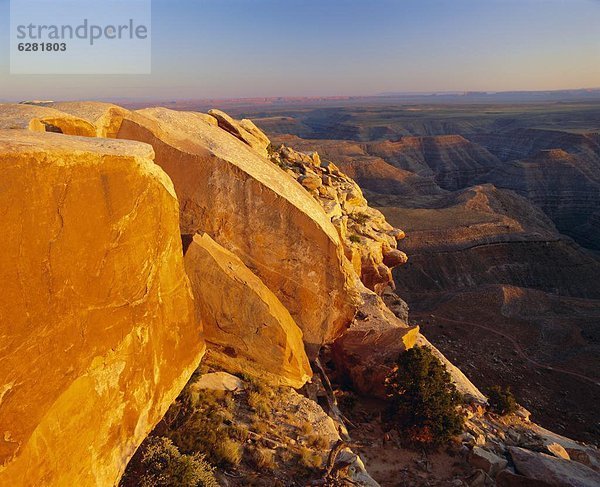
[43,119]
[246,327]
[245,130]
[552,471]
[487,461]
[366,354]
[96,312]
[249,206]
[105,117]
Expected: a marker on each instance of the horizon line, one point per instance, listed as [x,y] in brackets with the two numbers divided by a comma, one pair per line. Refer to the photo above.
[431,93]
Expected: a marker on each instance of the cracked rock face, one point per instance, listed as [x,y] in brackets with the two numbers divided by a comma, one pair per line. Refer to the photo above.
[43,119]
[246,327]
[105,117]
[369,240]
[229,191]
[97,325]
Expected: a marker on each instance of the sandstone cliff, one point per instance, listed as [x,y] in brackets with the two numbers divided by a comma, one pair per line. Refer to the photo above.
[97,313]
[248,206]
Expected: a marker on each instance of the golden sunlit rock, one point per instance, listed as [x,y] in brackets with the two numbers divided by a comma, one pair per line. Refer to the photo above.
[105,117]
[245,130]
[266,218]
[246,327]
[43,119]
[96,312]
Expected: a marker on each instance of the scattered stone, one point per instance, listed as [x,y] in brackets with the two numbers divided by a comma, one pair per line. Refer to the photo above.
[514,436]
[394,258]
[558,451]
[480,440]
[480,479]
[219,381]
[487,461]
[507,478]
[310,182]
[523,413]
[580,456]
[467,438]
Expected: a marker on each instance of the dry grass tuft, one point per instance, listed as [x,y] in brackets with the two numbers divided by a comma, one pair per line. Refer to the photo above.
[306,429]
[318,442]
[309,458]
[229,451]
[263,458]
[260,404]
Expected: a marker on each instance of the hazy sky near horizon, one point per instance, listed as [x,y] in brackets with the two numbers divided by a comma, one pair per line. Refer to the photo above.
[248,48]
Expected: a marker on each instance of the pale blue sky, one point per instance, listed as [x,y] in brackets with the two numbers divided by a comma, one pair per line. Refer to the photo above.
[246,48]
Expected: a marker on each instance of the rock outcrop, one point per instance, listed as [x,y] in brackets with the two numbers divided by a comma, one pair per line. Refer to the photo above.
[245,130]
[552,471]
[246,327]
[105,117]
[366,354]
[43,119]
[97,326]
[370,242]
[247,205]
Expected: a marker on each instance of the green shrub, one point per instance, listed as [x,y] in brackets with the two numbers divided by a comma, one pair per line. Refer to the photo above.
[424,400]
[164,466]
[501,400]
[354,238]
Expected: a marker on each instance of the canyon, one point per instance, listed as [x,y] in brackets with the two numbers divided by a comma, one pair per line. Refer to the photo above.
[500,207]
[182,274]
